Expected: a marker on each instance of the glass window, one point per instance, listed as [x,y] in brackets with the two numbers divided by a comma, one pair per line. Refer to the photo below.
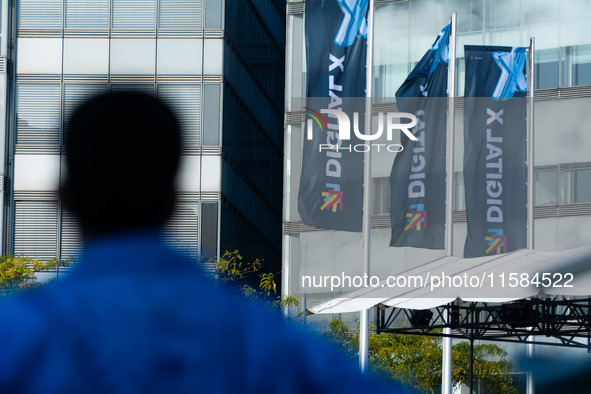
[426,21]
[461,78]
[460,192]
[390,78]
[391,46]
[470,14]
[213,14]
[538,11]
[575,20]
[380,196]
[546,69]
[35,229]
[561,185]
[502,14]
[38,114]
[298,57]
[580,185]
[181,229]
[211,114]
[546,187]
[209,229]
[581,65]
[185,101]
[71,237]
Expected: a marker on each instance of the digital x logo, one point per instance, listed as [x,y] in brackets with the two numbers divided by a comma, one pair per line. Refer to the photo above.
[332,198]
[512,77]
[416,216]
[354,24]
[496,241]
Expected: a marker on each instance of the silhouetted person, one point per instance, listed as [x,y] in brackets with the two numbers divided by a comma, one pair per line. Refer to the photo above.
[136,317]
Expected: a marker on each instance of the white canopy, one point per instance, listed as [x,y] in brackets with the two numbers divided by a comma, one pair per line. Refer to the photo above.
[496,278]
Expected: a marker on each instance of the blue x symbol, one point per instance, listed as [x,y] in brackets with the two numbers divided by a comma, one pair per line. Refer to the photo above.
[512,77]
[354,24]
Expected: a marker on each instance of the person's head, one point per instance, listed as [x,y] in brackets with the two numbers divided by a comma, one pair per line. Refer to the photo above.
[122,154]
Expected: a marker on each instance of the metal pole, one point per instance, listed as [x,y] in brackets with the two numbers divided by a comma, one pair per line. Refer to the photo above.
[286,244]
[471,366]
[451,88]
[364,340]
[530,147]
[530,389]
[446,382]
[568,66]
[364,318]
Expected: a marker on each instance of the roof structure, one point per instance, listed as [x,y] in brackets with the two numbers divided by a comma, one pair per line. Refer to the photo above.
[505,297]
[525,273]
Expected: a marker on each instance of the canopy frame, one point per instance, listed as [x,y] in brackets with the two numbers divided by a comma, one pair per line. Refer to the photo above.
[568,320]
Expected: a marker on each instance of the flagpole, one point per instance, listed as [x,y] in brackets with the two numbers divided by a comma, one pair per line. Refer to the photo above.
[446,381]
[530,147]
[364,318]
[530,184]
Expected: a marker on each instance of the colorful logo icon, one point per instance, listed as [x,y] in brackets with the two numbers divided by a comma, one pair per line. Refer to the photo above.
[496,241]
[332,198]
[416,216]
[317,117]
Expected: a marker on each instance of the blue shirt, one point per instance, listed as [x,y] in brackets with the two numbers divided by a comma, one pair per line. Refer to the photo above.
[138,318]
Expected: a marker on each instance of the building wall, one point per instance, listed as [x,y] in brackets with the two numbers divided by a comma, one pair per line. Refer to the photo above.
[67,51]
[254,64]
[5,83]
[404,30]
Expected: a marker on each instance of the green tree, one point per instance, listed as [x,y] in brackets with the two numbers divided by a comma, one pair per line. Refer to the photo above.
[411,360]
[415,361]
[232,269]
[17,273]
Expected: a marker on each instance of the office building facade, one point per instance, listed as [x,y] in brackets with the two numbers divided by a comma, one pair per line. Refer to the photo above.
[220,65]
[403,31]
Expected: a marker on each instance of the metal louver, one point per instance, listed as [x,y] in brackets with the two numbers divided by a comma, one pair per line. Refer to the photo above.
[38,114]
[35,15]
[87,15]
[138,15]
[71,237]
[181,231]
[296,8]
[185,101]
[180,15]
[35,229]
[139,87]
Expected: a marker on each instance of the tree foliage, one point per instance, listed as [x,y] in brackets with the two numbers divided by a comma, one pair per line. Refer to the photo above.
[232,269]
[411,360]
[415,361]
[17,273]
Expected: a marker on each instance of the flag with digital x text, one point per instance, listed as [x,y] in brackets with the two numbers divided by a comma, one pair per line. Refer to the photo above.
[494,150]
[331,184]
[417,179]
